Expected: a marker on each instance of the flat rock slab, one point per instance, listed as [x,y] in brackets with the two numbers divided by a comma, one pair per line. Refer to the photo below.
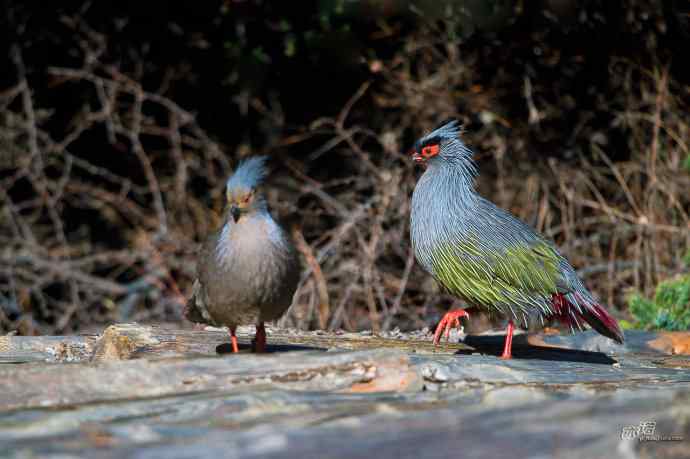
[147,392]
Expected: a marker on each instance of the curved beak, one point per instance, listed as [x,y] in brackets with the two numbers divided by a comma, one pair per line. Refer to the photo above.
[417,157]
[235,212]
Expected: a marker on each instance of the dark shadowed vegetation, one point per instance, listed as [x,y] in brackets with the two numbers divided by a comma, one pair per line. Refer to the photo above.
[121,121]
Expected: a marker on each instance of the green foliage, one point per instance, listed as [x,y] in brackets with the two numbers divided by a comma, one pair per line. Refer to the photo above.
[669,310]
[626,324]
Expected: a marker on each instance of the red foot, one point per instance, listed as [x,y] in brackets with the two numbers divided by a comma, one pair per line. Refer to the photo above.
[507,348]
[260,340]
[450,320]
[233,341]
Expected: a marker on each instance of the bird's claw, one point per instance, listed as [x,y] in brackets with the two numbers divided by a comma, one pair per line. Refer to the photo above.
[449,321]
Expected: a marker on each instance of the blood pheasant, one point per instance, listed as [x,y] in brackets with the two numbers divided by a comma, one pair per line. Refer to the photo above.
[248,270]
[485,256]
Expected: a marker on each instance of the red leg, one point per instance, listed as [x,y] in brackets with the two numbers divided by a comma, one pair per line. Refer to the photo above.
[233,340]
[260,340]
[507,348]
[450,320]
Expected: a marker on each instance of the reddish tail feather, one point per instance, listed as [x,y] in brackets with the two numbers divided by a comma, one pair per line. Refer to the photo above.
[592,313]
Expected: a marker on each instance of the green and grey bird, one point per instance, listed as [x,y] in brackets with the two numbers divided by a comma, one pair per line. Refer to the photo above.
[484,255]
[248,270]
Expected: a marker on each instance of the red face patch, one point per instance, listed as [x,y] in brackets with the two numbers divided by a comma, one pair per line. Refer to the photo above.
[429,151]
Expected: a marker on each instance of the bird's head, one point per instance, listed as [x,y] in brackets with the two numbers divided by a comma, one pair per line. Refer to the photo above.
[443,144]
[242,190]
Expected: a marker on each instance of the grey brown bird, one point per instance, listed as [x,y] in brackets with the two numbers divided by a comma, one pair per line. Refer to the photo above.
[485,256]
[248,270]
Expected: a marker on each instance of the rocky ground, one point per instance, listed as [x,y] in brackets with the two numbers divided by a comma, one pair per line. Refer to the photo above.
[150,392]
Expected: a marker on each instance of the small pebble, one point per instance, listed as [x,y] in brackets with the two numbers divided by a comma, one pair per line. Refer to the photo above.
[431,387]
[435,374]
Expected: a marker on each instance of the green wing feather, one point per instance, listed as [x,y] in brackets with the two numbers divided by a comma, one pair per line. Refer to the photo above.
[521,274]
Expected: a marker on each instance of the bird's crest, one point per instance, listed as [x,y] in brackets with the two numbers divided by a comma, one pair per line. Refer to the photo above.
[448,130]
[249,173]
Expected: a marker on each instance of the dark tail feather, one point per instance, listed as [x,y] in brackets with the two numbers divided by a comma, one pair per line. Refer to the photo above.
[191,312]
[194,309]
[601,321]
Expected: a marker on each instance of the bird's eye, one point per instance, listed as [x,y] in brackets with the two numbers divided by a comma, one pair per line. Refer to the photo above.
[247,198]
[430,151]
